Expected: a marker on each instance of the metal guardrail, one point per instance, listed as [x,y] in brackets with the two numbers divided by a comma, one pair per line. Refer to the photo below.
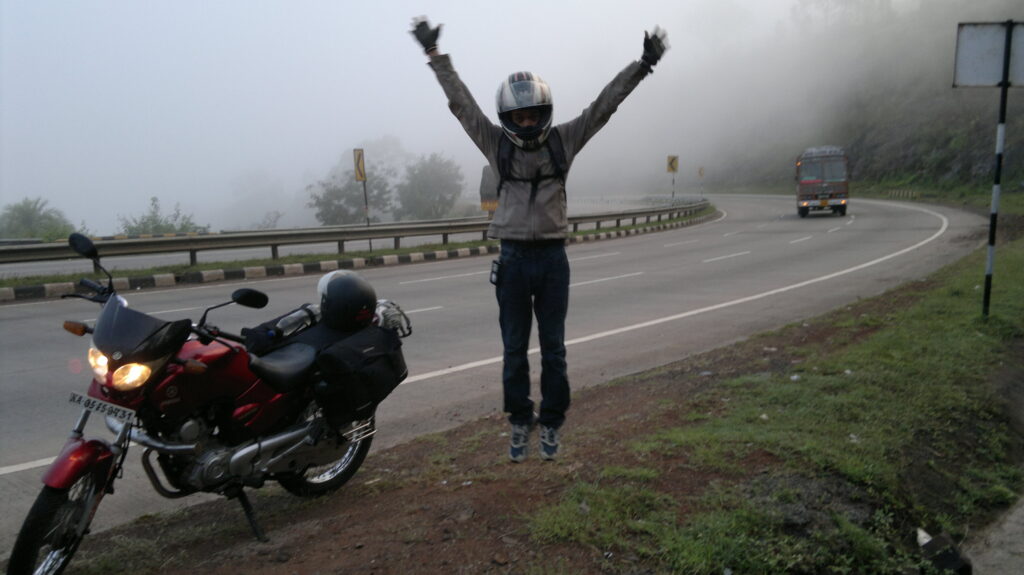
[276,238]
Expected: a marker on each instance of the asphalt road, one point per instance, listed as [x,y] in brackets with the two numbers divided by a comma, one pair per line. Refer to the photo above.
[635,303]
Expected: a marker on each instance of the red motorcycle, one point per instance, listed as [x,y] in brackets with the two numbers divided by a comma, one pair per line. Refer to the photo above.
[293,403]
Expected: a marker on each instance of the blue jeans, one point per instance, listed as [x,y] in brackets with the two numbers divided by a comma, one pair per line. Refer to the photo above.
[534,280]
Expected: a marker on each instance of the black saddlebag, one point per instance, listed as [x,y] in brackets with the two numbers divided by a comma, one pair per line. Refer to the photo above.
[358,372]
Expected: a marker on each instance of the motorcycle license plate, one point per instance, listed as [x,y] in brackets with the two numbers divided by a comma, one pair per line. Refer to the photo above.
[102,407]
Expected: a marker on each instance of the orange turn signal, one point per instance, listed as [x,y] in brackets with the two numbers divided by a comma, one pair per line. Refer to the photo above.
[76,327]
[194,366]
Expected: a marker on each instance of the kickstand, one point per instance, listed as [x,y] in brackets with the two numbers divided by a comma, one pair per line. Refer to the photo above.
[250,514]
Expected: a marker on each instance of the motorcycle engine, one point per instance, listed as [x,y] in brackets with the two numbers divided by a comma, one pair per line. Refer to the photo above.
[209,468]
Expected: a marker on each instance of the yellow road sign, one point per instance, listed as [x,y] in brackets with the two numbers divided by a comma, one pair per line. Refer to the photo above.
[360,166]
[673,164]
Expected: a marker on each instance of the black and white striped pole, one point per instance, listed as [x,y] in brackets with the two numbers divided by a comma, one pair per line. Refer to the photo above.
[986,56]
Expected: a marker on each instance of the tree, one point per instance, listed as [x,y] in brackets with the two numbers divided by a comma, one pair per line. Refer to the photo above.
[31,218]
[154,222]
[430,188]
[269,221]
[339,200]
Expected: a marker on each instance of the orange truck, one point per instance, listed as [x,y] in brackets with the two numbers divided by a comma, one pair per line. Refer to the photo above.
[822,180]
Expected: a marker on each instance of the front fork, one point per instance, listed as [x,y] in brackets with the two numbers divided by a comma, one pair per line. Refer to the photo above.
[94,456]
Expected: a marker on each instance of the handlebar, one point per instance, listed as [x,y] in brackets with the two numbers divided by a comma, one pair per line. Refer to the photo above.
[231,337]
[208,333]
[94,286]
[102,292]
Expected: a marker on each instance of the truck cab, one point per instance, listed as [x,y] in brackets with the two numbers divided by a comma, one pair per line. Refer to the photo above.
[822,180]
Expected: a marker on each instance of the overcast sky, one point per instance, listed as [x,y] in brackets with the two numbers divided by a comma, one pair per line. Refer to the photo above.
[105,103]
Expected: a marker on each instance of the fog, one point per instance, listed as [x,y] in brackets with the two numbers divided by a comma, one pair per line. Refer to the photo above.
[232,108]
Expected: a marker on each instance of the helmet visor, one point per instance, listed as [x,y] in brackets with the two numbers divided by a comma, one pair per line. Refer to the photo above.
[523,90]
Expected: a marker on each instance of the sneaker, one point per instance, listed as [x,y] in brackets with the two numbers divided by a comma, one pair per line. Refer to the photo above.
[520,438]
[549,442]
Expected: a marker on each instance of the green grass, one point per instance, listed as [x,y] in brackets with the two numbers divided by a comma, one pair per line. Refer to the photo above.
[300,258]
[976,197]
[905,417]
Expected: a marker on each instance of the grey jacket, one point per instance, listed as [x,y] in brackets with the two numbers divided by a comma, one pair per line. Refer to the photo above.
[532,210]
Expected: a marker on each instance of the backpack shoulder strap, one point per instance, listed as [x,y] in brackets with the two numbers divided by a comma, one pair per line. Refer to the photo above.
[557,151]
[555,148]
[504,161]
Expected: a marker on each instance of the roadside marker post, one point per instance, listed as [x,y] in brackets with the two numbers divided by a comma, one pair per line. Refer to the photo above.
[360,171]
[673,167]
[986,56]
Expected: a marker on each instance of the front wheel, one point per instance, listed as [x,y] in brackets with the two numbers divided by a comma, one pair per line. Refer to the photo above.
[54,528]
[319,480]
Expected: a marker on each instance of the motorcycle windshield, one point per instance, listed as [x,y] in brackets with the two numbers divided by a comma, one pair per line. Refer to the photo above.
[126,335]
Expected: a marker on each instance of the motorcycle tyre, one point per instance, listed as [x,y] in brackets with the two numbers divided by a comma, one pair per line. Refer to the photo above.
[45,512]
[303,486]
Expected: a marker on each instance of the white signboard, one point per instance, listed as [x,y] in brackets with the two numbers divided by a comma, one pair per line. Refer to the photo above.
[979,55]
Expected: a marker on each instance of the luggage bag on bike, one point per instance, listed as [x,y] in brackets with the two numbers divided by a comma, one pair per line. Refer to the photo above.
[358,372]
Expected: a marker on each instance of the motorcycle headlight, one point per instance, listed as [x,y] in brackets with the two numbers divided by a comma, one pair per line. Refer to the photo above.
[130,376]
[99,362]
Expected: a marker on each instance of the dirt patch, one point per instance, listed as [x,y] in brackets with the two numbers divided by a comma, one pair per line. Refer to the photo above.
[452,503]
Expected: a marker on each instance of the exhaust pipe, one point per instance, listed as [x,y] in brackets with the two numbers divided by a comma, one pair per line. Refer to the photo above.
[140,437]
[263,454]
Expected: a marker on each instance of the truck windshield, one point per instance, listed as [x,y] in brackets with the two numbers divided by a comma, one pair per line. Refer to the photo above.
[826,169]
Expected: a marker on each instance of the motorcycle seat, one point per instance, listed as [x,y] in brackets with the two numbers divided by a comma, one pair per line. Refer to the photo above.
[286,368]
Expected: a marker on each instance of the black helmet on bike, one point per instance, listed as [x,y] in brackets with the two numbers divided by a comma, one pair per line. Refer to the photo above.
[525,92]
[347,301]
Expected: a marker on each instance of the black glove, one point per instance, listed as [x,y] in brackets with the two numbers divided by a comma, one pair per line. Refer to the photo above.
[425,35]
[654,47]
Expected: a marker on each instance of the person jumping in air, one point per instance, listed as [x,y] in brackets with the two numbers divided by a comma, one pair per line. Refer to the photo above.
[531,159]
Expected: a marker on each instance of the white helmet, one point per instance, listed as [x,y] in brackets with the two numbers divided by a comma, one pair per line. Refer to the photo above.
[525,90]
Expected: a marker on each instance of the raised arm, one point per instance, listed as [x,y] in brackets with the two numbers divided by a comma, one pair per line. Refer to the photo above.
[578,131]
[460,101]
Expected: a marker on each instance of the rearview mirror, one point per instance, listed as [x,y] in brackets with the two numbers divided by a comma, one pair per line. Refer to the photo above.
[83,246]
[250,298]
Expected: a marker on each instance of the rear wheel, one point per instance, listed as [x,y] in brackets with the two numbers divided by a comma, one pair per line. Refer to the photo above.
[54,528]
[317,480]
[803,212]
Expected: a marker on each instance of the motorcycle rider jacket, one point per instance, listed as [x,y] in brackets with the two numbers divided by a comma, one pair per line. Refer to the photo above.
[531,192]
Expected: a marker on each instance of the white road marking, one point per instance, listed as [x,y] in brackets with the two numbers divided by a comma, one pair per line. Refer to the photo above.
[606,279]
[680,243]
[604,255]
[159,312]
[25,466]
[834,230]
[439,278]
[8,469]
[725,257]
[483,272]
[727,234]
[173,310]
[436,307]
[803,239]
[851,220]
